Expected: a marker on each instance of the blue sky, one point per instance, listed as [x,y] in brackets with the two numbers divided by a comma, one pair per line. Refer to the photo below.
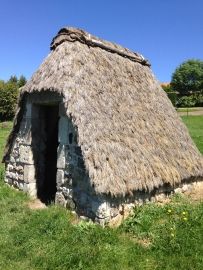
[167,32]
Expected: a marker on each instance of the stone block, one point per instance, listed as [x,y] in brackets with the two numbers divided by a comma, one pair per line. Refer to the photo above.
[19,169]
[70,204]
[16,184]
[11,175]
[101,209]
[20,177]
[68,181]
[67,192]
[10,167]
[63,130]
[26,154]
[114,212]
[29,174]
[59,199]
[12,158]
[31,189]
[61,160]
[8,180]
[21,186]
[184,188]
[60,178]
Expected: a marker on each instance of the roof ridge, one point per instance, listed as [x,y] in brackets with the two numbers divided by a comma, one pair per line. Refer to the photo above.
[74,34]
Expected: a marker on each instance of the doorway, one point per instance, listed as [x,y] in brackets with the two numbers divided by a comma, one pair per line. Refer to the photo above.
[45,144]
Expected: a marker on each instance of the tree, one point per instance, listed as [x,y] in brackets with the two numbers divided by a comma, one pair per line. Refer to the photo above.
[22,81]
[13,79]
[8,100]
[188,77]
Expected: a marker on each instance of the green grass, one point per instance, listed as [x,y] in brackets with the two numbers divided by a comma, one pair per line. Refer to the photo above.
[155,237]
[5,128]
[195,127]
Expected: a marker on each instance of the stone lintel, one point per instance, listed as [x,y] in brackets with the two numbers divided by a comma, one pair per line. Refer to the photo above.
[60,178]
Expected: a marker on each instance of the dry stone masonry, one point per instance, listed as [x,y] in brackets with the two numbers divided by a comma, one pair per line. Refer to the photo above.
[20,171]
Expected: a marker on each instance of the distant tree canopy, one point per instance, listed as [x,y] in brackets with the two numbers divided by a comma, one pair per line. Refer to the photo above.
[188,77]
[8,96]
[22,81]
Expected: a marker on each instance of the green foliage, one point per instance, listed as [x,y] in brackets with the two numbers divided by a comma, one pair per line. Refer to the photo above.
[188,77]
[5,128]
[199,98]
[8,100]
[171,228]
[195,126]
[8,96]
[13,79]
[186,101]
[196,99]
[22,81]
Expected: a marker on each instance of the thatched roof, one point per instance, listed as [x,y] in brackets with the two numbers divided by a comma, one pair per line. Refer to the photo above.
[129,132]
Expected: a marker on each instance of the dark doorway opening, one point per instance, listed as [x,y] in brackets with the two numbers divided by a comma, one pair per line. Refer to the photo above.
[45,140]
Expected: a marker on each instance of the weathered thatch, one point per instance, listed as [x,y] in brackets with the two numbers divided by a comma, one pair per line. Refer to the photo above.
[130,135]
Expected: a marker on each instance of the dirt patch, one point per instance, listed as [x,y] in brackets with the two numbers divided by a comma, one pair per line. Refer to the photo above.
[196,194]
[36,204]
[196,111]
[145,242]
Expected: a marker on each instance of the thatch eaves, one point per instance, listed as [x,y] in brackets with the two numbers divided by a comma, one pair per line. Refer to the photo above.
[130,135]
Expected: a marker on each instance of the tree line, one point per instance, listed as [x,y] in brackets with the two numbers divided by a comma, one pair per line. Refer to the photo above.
[186,86]
[9,91]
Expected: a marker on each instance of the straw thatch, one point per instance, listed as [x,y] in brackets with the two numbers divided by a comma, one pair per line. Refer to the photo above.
[130,135]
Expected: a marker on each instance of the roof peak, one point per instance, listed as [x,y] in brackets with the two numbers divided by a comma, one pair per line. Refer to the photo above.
[72,34]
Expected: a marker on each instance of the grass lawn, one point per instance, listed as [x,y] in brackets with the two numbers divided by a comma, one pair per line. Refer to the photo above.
[157,237]
[4,132]
[195,127]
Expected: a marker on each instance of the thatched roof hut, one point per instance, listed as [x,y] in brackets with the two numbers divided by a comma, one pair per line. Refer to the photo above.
[129,134]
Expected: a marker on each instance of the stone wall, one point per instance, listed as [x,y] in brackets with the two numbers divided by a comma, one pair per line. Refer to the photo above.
[21,166]
[20,170]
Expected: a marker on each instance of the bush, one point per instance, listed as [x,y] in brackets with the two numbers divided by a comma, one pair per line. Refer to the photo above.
[199,99]
[187,101]
[8,100]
